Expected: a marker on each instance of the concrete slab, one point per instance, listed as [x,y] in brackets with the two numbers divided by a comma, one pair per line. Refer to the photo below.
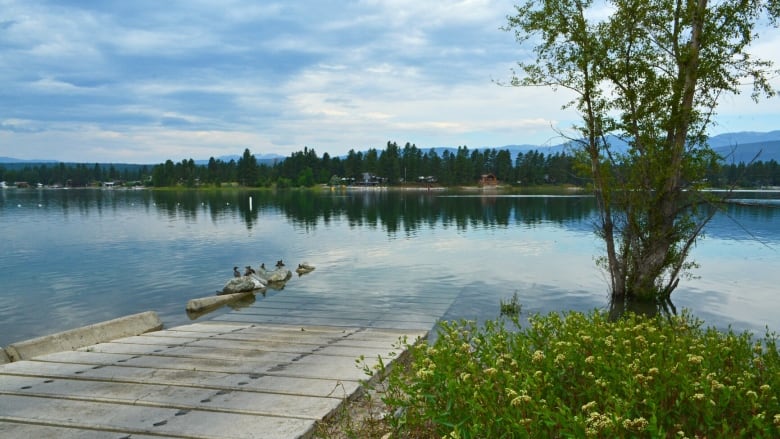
[179,397]
[88,335]
[227,365]
[132,419]
[17,430]
[183,377]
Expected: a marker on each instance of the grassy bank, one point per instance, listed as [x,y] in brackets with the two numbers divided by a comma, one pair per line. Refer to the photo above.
[578,375]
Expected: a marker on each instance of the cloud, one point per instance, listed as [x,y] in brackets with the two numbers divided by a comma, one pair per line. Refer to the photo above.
[147,81]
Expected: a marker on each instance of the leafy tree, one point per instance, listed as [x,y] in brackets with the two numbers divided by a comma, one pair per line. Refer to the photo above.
[650,72]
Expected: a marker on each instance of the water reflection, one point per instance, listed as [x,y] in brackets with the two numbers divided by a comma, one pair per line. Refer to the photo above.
[749,215]
[393,211]
[663,307]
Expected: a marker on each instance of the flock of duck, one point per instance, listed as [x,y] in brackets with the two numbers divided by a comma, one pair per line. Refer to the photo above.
[262,277]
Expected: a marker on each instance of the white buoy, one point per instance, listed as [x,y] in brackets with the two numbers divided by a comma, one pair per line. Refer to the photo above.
[250,204]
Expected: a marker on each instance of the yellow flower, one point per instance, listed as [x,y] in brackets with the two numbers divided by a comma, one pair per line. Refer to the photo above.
[537,357]
[638,424]
[695,359]
[587,407]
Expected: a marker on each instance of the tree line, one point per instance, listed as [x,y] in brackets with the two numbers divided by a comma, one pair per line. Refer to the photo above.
[392,166]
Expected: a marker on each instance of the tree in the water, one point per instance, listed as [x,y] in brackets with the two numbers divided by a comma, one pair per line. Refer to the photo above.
[650,73]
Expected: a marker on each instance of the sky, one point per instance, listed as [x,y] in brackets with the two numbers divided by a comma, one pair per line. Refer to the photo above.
[143,81]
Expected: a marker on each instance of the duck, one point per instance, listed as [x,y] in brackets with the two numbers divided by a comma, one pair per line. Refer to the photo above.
[279,264]
[249,270]
[235,272]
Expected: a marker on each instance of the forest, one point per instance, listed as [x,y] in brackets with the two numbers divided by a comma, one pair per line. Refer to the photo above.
[394,165]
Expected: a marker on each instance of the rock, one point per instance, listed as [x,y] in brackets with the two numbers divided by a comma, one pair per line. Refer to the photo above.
[281,274]
[304,268]
[243,284]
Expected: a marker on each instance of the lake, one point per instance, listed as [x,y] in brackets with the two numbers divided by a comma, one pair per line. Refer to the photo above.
[72,257]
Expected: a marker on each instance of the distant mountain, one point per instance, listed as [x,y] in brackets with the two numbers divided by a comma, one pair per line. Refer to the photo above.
[13,160]
[743,138]
[743,147]
[748,152]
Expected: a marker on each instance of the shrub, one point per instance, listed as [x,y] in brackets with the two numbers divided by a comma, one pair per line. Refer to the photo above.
[577,375]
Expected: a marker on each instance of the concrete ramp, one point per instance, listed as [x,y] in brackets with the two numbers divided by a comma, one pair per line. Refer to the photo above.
[204,380]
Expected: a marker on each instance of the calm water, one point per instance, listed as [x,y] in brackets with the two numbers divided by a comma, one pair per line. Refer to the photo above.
[75,257]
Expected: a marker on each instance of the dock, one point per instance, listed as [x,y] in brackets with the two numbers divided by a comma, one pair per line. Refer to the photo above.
[270,370]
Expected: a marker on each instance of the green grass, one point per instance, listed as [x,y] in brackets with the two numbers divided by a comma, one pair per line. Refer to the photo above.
[581,375]
[511,307]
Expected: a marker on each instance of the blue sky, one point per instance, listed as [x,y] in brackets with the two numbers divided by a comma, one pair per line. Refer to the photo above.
[143,81]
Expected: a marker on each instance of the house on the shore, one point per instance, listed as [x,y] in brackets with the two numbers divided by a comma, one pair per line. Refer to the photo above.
[488,180]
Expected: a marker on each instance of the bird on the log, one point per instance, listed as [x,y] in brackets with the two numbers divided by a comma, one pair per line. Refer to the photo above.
[235,272]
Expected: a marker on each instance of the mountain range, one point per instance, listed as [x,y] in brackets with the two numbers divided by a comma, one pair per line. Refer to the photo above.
[737,147]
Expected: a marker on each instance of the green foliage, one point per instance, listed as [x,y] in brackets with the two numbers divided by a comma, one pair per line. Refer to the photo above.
[511,307]
[577,375]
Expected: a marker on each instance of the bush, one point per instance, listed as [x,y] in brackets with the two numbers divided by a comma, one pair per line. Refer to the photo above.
[577,375]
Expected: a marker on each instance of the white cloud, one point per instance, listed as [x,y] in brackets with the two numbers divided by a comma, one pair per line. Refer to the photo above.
[147,81]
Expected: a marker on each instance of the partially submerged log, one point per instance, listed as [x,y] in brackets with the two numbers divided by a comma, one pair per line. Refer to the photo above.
[213,302]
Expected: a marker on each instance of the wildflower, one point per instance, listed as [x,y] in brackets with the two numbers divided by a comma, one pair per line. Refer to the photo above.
[764,387]
[537,357]
[653,371]
[587,339]
[587,407]
[465,376]
[590,359]
[560,358]
[538,374]
[638,424]
[777,419]
[424,373]
[490,371]
[751,394]
[698,396]
[695,359]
